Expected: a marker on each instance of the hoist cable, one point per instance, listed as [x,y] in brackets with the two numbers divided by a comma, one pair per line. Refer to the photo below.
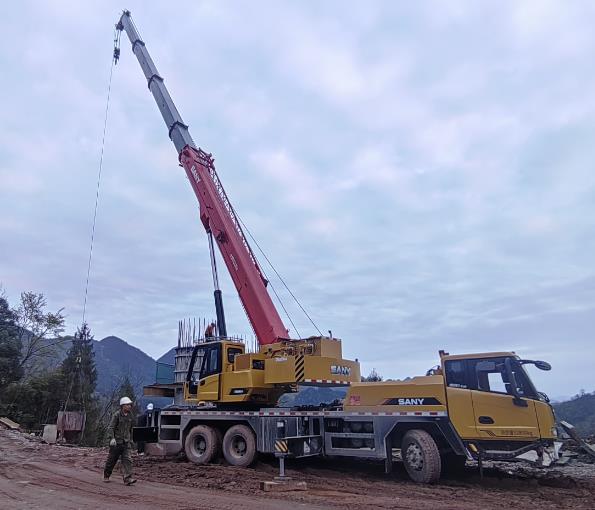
[280,278]
[283,306]
[109,88]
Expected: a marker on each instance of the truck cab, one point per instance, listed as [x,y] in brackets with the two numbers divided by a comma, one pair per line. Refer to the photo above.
[481,406]
[493,404]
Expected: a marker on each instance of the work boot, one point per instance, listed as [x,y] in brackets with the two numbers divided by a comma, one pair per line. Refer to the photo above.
[130,481]
[105,479]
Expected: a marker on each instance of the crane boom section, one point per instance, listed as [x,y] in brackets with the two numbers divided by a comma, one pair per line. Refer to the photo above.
[218,216]
[216,211]
[178,131]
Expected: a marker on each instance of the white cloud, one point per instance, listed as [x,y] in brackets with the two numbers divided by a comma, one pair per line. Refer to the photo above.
[420,172]
[298,185]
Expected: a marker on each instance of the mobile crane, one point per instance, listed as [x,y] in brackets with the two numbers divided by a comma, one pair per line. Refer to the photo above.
[230,376]
[474,406]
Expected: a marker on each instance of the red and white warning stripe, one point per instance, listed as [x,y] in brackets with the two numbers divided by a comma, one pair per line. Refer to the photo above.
[306,413]
[326,381]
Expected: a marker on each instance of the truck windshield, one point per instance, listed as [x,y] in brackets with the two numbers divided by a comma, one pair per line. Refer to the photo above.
[524,384]
[489,374]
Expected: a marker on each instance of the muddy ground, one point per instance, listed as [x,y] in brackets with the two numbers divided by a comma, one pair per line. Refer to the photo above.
[37,475]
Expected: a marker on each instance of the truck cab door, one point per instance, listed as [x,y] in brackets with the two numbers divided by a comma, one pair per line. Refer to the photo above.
[500,412]
[210,373]
[459,398]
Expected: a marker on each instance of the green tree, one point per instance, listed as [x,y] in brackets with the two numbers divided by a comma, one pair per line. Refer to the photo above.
[10,346]
[34,401]
[79,367]
[81,376]
[373,376]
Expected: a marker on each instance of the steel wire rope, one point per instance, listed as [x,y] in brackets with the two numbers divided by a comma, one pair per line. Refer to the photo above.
[280,278]
[280,302]
[109,88]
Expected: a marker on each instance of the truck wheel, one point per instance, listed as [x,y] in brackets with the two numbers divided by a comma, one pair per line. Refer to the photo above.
[239,446]
[201,444]
[421,456]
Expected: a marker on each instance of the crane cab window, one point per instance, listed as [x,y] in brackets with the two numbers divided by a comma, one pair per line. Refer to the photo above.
[232,352]
[211,361]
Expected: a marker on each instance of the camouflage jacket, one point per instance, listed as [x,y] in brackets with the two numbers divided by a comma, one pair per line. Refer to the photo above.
[120,427]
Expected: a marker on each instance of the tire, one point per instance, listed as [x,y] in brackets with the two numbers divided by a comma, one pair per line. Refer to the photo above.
[453,464]
[239,446]
[421,456]
[201,445]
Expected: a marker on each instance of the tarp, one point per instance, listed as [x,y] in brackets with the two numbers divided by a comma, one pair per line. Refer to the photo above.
[70,421]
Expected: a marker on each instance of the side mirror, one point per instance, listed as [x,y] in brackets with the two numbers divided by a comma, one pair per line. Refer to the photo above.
[517,400]
[542,365]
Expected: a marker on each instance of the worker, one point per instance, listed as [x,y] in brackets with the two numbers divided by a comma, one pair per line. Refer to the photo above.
[144,420]
[210,331]
[120,445]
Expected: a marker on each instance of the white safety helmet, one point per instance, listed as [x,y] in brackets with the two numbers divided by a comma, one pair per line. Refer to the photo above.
[125,400]
[150,406]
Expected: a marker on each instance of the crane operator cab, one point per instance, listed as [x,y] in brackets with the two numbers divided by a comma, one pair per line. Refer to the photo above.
[210,359]
[226,375]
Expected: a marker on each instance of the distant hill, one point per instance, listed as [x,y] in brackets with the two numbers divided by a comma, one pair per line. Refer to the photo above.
[580,411]
[168,357]
[116,359]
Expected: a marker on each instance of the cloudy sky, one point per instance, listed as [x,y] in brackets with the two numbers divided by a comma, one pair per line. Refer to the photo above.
[421,175]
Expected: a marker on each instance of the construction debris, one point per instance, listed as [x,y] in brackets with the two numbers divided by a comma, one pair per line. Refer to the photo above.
[571,431]
[7,423]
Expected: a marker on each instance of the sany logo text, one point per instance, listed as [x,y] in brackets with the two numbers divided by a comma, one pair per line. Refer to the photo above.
[340,370]
[411,401]
[195,173]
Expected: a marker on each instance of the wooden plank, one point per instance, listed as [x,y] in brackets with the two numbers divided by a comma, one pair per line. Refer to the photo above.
[571,431]
[270,486]
[9,424]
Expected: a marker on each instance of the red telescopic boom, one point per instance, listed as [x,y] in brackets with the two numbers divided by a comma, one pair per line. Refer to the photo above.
[216,212]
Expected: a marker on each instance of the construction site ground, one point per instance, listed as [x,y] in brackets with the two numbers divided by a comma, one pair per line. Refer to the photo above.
[37,475]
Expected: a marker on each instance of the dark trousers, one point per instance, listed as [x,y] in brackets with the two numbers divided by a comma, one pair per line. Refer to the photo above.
[122,452]
[142,421]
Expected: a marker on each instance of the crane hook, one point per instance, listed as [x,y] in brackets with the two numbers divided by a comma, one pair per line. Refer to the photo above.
[117,34]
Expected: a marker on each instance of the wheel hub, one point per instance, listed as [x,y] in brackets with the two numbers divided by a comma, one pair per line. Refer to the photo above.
[414,457]
[238,446]
[200,444]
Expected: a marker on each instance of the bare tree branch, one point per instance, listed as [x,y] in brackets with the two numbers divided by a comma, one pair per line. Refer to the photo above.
[39,330]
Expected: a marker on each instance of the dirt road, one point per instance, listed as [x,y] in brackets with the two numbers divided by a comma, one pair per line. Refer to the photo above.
[36,475]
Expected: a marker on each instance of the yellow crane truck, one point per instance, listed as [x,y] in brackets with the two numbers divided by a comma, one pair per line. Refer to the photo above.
[470,407]
[477,406]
